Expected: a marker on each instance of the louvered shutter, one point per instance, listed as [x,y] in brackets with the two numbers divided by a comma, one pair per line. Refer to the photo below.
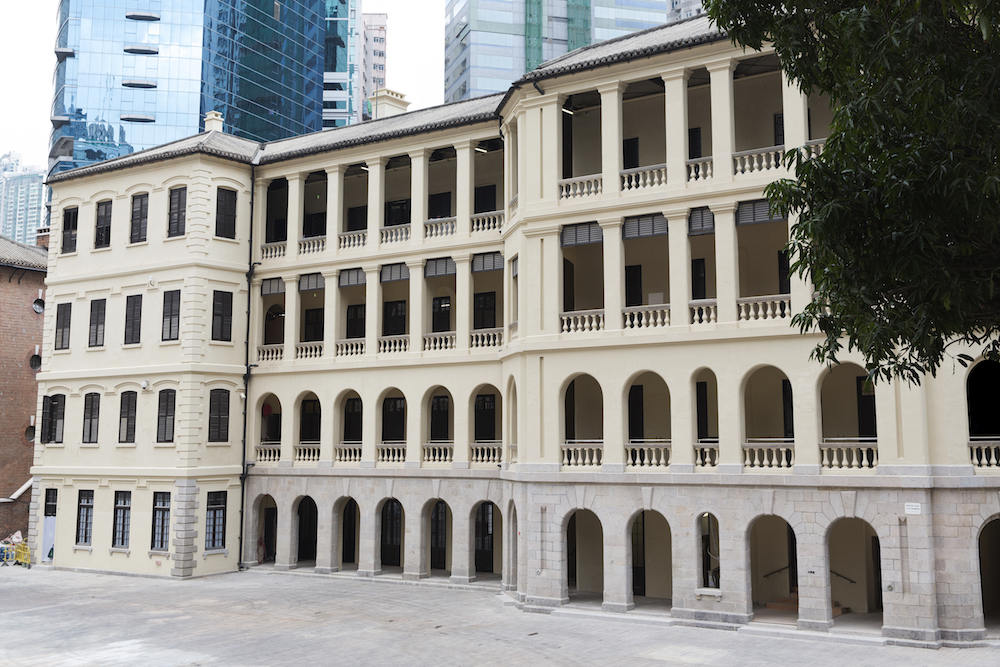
[701,221]
[178,212]
[311,281]
[272,286]
[225,213]
[487,261]
[222,316]
[513,268]
[97,307]
[352,277]
[755,212]
[641,226]
[443,266]
[140,212]
[581,234]
[394,272]
[133,319]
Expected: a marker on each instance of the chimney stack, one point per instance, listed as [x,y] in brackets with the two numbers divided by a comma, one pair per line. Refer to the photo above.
[213,121]
[42,237]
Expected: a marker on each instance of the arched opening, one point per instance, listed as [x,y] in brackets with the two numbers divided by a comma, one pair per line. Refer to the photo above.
[352,432]
[350,535]
[441,425]
[440,542]
[307,515]
[274,321]
[267,526]
[982,397]
[314,205]
[989,556]
[768,425]
[585,557]
[393,417]
[392,534]
[310,418]
[847,404]
[711,566]
[276,220]
[269,448]
[855,571]
[774,573]
[512,576]
[652,567]
[648,422]
[583,423]
[486,426]
[706,391]
[488,540]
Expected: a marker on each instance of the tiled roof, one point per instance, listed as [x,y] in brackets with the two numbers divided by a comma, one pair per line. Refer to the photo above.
[23,256]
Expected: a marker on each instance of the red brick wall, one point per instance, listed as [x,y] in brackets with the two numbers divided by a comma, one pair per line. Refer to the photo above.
[20,332]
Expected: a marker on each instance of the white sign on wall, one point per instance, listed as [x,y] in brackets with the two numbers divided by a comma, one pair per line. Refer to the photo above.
[911,508]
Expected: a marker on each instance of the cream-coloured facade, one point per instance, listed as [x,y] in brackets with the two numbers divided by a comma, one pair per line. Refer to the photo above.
[539,339]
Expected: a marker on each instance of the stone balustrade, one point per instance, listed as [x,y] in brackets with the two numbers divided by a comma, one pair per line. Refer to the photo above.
[395,234]
[309,350]
[312,245]
[486,338]
[758,159]
[703,311]
[444,340]
[270,352]
[352,347]
[270,251]
[582,186]
[848,453]
[352,240]
[582,453]
[644,177]
[647,453]
[755,308]
[769,453]
[582,320]
[699,169]
[439,227]
[487,222]
[646,317]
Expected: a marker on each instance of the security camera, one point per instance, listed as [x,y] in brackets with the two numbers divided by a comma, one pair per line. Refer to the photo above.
[144,385]
[243,396]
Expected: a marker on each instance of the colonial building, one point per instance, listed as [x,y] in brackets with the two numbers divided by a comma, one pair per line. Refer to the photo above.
[539,341]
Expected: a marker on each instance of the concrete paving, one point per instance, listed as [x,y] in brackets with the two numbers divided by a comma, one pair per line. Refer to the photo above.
[261,617]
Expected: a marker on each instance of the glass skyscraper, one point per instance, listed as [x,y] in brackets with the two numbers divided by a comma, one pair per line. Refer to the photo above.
[490,43]
[342,69]
[132,74]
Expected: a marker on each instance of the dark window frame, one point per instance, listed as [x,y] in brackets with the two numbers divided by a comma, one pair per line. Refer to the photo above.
[133,319]
[161,521]
[225,213]
[53,418]
[98,311]
[170,329]
[222,316]
[166,415]
[177,212]
[91,418]
[140,218]
[71,219]
[215,520]
[218,415]
[64,316]
[84,517]
[126,417]
[123,520]
[102,225]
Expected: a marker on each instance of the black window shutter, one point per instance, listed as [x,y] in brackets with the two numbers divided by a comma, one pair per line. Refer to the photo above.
[97,322]
[63,317]
[225,213]
[222,316]
[786,404]
[133,319]
[171,314]
[102,231]
[140,211]
[694,143]
[58,414]
[178,212]
[126,422]
[165,416]
[46,420]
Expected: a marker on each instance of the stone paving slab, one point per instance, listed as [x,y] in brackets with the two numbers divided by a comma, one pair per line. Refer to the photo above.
[68,619]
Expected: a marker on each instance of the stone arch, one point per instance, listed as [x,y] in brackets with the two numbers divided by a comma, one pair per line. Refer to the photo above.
[583,537]
[274,322]
[439,406]
[485,415]
[309,419]
[307,525]
[854,552]
[709,557]
[768,418]
[982,395]
[392,422]
[647,419]
[583,408]
[265,529]
[437,545]
[847,417]
[705,389]
[988,546]
[390,535]
[487,535]
[348,419]
[649,545]
[269,410]
[347,541]
[772,547]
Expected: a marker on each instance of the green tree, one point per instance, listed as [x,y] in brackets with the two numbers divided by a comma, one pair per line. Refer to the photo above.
[899,216]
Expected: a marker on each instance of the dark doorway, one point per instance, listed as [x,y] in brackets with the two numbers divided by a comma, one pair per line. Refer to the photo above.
[484,537]
[352,420]
[571,411]
[439,536]
[571,552]
[307,529]
[639,555]
[699,286]
[786,406]
[630,153]
[392,533]
[701,393]
[633,285]
[983,397]
[356,321]
[394,420]
[441,314]
[439,205]
[636,427]
[485,199]
[569,291]
[440,418]
[484,314]
[394,318]
[486,417]
[270,534]
[350,544]
[866,408]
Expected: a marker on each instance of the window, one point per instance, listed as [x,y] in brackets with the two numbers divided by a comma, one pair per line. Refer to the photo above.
[356,321]
[171,314]
[485,199]
[161,521]
[97,307]
[70,216]
[357,218]
[215,521]
[51,498]
[441,314]
[310,422]
[394,420]
[126,422]
[140,212]
[133,319]
[485,310]
[165,416]
[440,418]
[222,316]
[439,205]
[313,325]
[123,516]
[177,216]
[694,143]
[630,153]
[394,318]
[698,281]
[91,413]
[102,230]
[218,415]
[397,212]
[84,517]
[633,285]
[352,420]
[486,417]
[53,414]
[225,213]
[63,313]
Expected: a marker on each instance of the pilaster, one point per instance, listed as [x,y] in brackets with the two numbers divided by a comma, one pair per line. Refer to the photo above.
[723,119]
[675,96]
[611,137]
[334,207]
[376,198]
[463,300]
[465,179]
[184,517]
[727,261]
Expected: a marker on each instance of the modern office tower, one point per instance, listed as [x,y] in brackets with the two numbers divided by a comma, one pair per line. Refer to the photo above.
[343,69]
[490,43]
[129,78]
[22,204]
[373,59]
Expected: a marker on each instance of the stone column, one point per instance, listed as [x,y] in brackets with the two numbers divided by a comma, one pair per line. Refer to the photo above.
[373,308]
[463,552]
[614,273]
[679,266]
[370,542]
[723,118]
[334,207]
[418,297]
[418,193]
[730,426]
[617,568]
[416,531]
[675,98]
[331,308]
[415,433]
[326,536]
[292,316]
[463,301]
[611,136]
[813,560]
[806,416]
[184,544]
[296,192]
[727,262]
[795,113]
[376,199]
[465,179]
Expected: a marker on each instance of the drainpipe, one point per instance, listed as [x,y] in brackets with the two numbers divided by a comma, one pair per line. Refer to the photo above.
[244,466]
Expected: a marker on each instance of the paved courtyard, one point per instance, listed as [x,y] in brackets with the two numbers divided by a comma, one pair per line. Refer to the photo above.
[259,617]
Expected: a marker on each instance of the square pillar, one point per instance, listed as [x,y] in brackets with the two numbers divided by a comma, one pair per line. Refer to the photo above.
[675,96]
[418,292]
[727,261]
[419,193]
[617,568]
[296,202]
[465,179]
[416,535]
[292,316]
[463,301]
[463,564]
[806,420]
[550,288]
[683,431]
[334,207]
[376,199]
[614,273]
[371,413]
[800,287]
[415,431]
[462,437]
[795,113]
[611,136]
[373,308]
[331,308]
[326,539]
[723,118]
[679,248]
[730,423]
[370,544]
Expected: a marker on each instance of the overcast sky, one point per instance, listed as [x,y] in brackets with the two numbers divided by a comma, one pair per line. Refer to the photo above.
[414,65]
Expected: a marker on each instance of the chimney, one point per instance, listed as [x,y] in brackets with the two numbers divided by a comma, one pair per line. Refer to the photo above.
[387,103]
[42,237]
[213,121]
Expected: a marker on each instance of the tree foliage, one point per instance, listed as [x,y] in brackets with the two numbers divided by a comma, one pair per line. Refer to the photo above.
[899,217]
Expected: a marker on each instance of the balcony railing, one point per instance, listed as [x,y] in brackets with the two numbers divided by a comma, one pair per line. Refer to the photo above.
[646,317]
[444,340]
[439,227]
[769,453]
[393,344]
[647,453]
[347,452]
[848,453]
[270,352]
[703,311]
[395,234]
[753,308]
[312,245]
[582,453]
[272,250]
[308,350]
[699,169]
[352,347]
[581,186]
[307,452]
[438,452]
[815,146]
[487,222]
[391,453]
[486,452]
[486,338]
[758,159]
[644,177]
[582,320]
[706,453]
[268,452]
[351,240]
[984,451]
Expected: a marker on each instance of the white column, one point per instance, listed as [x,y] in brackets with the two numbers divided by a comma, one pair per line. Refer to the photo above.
[373,309]
[256,317]
[795,112]
[465,178]
[416,431]
[727,261]
[331,306]
[682,422]
[416,308]
[679,266]
[292,316]
[611,136]
[614,274]
[550,288]
[723,118]
[259,221]
[296,186]
[675,114]
[463,300]
[806,418]
[418,193]
[334,207]
[376,198]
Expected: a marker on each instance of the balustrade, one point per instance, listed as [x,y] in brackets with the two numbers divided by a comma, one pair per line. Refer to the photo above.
[391,453]
[646,317]
[308,350]
[268,452]
[814,147]
[513,204]
[352,347]
[351,240]
[703,311]
[984,452]
[582,186]
[437,452]
[272,251]
[439,227]
[706,453]
[487,222]
[486,452]
[768,453]
[699,169]
[486,338]
[347,452]
[307,452]
[439,341]
[776,307]
[312,245]
[395,234]
[270,352]
[758,159]
[393,344]
[848,453]
[582,320]
[644,177]
[647,453]
[582,453]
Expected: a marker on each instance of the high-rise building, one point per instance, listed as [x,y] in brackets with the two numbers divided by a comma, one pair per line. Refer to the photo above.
[132,78]
[22,193]
[373,58]
[342,71]
[489,44]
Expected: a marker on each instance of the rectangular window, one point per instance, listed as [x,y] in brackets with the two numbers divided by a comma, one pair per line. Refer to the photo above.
[701,409]
[123,517]
[439,205]
[53,415]
[161,521]
[102,230]
[133,319]
[694,143]
[485,199]
[165,416]
[394,420]
[218,416]
[215,521]
[63,315]
[440,418]
[51,498]
[91,415]
[126,420]
[222,316]
[177,217]
[357,218]
[699,286]
[140,213]
[310,421]
[486,417]
[225,213]
[356,321]
[84,517]
[397,212]
[97,307]
[630,153]
[352,420]
[313,330]
[394,318]
[441,314]
[485,310]
[70,216]
[171,314]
